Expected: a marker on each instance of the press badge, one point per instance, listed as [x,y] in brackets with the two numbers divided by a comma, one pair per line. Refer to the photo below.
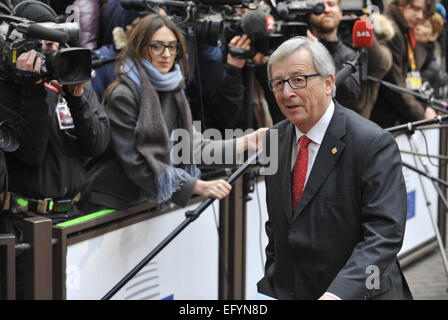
[63,113]
[413,80]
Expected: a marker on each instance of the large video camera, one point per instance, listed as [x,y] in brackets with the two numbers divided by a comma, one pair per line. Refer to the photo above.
[199,18]
[213,21]
[292,19]
[19,35]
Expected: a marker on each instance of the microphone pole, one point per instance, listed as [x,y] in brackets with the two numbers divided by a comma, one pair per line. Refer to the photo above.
[191,215]
[436,104]
[349,67]
[424,174]
[410,126]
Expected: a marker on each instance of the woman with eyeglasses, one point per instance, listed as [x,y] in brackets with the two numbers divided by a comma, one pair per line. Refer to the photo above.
[146,104]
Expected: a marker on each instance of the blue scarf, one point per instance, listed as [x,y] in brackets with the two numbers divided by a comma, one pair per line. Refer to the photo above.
[160,82]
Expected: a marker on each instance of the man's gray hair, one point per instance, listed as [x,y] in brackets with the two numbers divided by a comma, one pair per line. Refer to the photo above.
[322,59]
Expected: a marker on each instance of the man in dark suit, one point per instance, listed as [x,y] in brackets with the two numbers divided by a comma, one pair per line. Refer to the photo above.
[342,239]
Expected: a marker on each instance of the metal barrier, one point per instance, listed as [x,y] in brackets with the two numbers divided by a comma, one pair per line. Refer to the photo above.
[37,257]
[231,236]
[8,241]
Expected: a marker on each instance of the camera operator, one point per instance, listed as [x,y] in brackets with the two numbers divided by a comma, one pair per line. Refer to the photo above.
[58,128]
[324,27]
[223,82]
[224,99]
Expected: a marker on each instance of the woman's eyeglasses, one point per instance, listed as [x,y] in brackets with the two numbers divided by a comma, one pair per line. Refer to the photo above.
[158,48]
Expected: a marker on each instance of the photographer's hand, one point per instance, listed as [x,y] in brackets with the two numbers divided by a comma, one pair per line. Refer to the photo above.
[241,42]
[260,59]
[311,36]
[29,61]
[75,90]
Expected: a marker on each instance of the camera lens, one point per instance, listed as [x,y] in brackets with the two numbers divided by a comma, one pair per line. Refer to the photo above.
[7,140]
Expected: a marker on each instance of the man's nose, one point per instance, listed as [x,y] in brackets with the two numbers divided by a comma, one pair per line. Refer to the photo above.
[420,15]
[287,90]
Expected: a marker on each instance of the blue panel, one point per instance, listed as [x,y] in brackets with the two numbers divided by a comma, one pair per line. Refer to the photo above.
[411,205]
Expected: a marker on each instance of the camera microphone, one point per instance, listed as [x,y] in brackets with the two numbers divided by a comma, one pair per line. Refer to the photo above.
[362,34]
[220,2]
[363,38]
[39,32]
[257,25]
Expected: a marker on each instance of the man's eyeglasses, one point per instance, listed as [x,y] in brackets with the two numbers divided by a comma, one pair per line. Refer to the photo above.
[158,48]
[295,82]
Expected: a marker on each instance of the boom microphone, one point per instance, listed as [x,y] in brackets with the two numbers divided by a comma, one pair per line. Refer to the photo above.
[363,38]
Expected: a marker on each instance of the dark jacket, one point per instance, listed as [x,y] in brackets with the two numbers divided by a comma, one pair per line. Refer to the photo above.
[349,90]
[89,17]
[50,162]
[392,107]
[105,74]
[223,105]
[347,221]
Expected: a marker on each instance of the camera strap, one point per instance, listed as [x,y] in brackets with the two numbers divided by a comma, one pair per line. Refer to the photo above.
[51,87]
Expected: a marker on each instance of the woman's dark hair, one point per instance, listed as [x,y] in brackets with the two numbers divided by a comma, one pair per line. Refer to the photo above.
[138,40]
[430,6]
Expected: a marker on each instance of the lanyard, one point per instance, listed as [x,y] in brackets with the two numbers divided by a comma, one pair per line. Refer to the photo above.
[411,44]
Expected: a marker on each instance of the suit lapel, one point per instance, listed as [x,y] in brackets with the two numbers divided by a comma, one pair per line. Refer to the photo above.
[284,160]
[326,158]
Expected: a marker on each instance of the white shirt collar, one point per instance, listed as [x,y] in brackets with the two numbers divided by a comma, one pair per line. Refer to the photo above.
[317,132]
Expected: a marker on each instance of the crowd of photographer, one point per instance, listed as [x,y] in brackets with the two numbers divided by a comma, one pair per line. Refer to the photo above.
[88,144]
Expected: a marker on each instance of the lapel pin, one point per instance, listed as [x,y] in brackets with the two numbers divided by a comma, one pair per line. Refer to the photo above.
[334,150]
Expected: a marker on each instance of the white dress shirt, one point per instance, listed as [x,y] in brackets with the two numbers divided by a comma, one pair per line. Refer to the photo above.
[316,135]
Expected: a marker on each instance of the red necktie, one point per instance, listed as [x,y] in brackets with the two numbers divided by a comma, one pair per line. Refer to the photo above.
[299,172]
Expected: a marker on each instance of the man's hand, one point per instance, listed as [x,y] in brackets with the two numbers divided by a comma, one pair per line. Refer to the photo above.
[29,61]
[217,189]
[251,141]
[241,42]
[326,297]
[430,113]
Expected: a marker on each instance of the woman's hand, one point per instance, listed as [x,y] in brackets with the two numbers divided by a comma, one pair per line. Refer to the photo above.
[217,189]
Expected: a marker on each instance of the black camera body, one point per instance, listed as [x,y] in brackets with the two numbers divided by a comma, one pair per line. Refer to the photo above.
[203,19]
[292,19]
[19,35]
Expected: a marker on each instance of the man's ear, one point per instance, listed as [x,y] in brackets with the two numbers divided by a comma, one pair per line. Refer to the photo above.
[329,83]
